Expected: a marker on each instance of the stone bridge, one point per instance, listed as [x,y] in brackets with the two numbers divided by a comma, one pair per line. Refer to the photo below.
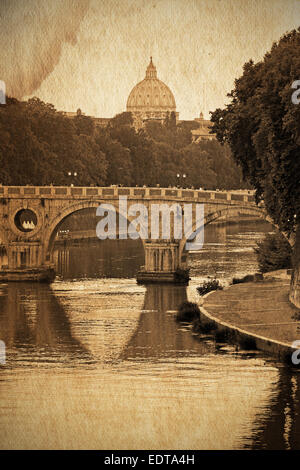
[31,215]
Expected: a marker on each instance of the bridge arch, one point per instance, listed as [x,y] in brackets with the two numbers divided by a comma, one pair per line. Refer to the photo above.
[69,210]
[227,211]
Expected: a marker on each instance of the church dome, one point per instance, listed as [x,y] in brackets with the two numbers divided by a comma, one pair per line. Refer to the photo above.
[151,94]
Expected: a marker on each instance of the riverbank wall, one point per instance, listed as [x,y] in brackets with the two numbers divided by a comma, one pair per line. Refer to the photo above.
[254,315]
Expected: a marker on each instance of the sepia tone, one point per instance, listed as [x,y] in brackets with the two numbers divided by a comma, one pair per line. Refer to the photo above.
[112,343]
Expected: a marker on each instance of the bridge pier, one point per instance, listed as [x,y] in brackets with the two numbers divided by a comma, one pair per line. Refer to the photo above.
[25,263]
[163,264]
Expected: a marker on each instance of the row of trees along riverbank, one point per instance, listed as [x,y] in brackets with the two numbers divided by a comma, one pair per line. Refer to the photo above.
[40,146]
[261,125]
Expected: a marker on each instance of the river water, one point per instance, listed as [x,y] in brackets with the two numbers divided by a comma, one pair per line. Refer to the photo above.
[96,361]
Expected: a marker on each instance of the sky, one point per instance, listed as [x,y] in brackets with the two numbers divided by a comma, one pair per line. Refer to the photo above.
[89,54]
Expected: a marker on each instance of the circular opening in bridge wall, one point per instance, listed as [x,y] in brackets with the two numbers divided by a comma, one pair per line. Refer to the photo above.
[25,220]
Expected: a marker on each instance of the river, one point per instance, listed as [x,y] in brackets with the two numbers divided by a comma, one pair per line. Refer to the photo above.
[95,361]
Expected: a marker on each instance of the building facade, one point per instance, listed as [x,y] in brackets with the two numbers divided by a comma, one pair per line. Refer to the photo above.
[203,130]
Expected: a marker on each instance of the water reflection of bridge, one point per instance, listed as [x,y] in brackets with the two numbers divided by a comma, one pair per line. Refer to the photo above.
[157,338]
[33,321]
[157,335]
[32,318]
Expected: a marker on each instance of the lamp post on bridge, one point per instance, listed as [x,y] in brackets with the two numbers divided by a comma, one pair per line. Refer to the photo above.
[70,174]
[181,178]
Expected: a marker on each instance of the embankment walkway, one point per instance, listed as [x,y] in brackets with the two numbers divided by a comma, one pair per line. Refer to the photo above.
[260,311]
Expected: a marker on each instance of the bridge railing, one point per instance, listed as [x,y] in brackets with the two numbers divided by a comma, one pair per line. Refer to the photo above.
[131,192]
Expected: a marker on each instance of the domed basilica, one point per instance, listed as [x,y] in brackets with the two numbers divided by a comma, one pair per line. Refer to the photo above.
[150,99]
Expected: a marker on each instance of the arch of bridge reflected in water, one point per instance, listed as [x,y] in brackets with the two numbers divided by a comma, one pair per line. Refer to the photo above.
[95,330]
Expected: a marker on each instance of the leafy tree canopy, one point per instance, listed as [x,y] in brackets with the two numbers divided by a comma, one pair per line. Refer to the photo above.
[262,127]
[39,146]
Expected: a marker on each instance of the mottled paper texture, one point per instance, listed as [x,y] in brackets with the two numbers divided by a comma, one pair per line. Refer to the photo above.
[89,54]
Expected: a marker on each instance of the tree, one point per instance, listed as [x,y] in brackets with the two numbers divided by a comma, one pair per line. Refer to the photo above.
[25,158]
[166,165]
[228,175]
[119,169]
[122,119]
[39,145]
[273,252]
[261,126]
[177,136]
[197,163]
[84,124]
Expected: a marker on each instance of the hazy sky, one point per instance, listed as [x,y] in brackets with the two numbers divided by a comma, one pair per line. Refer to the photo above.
[89,54]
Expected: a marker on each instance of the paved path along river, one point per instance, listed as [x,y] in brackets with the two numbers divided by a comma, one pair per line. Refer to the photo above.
[258,310]
[259,307]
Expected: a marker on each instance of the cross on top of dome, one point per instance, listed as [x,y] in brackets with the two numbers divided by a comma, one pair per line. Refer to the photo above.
[151,70]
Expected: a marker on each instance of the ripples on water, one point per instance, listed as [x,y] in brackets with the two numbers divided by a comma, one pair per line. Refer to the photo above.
[97,361]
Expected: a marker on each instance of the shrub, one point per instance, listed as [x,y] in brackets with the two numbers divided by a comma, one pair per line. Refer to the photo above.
[209,286]
[248,278]
[188,312]
[247,343]
[273,252]
[207,327]
[182,275]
